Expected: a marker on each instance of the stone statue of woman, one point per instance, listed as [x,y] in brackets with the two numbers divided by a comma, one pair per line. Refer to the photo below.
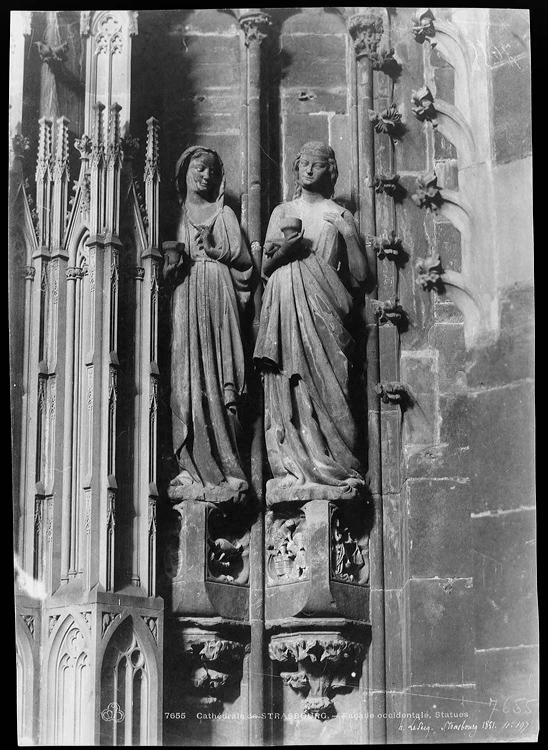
[210,266]
[313,257]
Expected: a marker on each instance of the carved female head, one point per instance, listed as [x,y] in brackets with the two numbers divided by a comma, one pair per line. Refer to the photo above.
[200,170]
[315,169]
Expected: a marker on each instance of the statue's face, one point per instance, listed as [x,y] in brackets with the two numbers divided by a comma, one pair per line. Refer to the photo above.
[203,175]
[313,171]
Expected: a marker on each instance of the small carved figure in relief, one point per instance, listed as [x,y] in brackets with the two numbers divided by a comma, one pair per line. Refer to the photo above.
[349,562]
[313,259]
[210,266]
[287,550]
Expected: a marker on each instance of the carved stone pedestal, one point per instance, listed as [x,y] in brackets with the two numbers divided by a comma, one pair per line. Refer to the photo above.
[317,560]
[207,560]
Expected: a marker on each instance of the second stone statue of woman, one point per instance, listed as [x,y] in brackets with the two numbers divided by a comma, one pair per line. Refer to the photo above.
[313,257]
[211,269]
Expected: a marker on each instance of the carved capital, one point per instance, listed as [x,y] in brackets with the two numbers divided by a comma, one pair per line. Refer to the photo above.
[423,26]
[423,101]
[366,31]
[133,272]
[74,272]
[429,273]
[428,193]
[255,26]
[326,663]
[27,272]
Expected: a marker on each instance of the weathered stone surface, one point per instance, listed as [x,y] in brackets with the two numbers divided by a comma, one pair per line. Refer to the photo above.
[393,541]
[509,34]
[391,432]
[507,685]
[448,241]
[446,311]
[444,714]
[437,461]
[505,575]
[420,420]
[419,370]
[440,630]
[316,64]
[339,138]
[304,100]
[512,357]
[448,339]
[394,642]
[511,110]
[455,421]
[438,529]
[502,447]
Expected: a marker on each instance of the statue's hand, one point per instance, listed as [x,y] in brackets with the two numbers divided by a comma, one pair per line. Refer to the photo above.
[173,257]
[290,247]
[344,225]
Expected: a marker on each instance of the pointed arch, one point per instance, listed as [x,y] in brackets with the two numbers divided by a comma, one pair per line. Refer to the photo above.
[25,669]
[69,690]
[129,684]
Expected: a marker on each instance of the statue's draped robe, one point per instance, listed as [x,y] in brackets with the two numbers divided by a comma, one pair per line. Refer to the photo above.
[207,356]
[306,355]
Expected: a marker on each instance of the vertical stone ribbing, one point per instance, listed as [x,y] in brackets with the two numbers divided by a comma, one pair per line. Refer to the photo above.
[255,26]
[147,369]
[366,31]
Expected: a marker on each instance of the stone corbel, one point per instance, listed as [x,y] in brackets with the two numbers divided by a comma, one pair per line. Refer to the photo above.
[452,46]
[214,664]
[326,663]
[449,120]
[423,29]
[428,193]
[457,288]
